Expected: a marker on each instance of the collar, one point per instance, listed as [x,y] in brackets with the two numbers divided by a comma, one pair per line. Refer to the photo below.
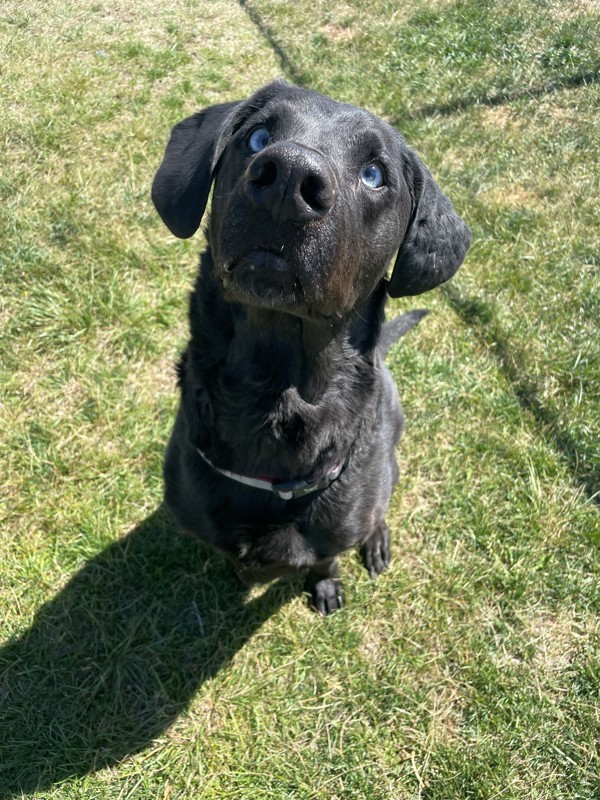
[286,490]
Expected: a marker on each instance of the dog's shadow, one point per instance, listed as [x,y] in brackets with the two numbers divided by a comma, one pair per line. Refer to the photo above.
[111,661]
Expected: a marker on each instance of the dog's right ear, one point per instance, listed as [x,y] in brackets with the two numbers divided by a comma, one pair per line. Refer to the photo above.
[182,184]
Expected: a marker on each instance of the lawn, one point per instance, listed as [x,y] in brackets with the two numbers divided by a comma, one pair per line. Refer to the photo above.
[131,664]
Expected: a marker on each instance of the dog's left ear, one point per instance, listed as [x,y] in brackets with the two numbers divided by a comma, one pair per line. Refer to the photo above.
[182,184]
[436,240]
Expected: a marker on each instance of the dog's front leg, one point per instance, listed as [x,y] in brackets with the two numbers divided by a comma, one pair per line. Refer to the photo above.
[375,551]
[324,586]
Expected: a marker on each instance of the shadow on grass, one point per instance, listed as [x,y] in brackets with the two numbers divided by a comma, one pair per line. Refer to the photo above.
[582,78]
[118,654]
[287,65]
[581,463]
[510,95]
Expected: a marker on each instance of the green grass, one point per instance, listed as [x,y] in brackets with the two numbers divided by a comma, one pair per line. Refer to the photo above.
[131,666]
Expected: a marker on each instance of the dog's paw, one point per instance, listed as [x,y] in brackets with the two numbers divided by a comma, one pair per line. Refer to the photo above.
[375,551]
[326,595]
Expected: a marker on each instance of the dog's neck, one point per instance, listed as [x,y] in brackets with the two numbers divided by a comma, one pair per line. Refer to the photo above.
[283,351]
[272,390]
[278,349]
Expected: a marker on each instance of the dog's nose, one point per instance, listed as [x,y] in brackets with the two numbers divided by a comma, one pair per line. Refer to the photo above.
[292,182]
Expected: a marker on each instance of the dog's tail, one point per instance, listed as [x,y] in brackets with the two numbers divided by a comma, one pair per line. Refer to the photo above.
[397,327]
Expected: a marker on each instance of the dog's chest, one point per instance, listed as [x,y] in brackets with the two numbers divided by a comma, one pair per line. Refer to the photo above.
[273,430]
[270,549]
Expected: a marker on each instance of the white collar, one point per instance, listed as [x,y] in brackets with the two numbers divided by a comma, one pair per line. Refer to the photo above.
[286,490]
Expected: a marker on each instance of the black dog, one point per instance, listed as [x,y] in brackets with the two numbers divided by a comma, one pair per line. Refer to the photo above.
[282,453]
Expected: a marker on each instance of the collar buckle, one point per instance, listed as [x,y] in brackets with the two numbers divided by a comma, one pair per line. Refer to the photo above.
[289,490]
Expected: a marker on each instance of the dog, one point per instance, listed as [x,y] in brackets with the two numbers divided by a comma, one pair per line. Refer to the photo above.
[283,450]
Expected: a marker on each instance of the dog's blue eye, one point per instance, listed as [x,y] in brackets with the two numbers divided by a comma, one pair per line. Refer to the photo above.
[372,176]
[259,139]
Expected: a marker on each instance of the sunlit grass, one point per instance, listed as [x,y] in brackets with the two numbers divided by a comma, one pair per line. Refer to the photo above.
[133,667]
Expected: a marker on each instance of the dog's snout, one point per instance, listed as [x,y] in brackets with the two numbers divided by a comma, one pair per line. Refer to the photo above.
[291,182]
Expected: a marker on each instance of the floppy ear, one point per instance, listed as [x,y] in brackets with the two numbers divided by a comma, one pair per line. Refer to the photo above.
[436,240]
[182,184]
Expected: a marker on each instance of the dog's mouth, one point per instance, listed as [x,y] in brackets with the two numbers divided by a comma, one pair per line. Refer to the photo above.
[265,279]
[259,259]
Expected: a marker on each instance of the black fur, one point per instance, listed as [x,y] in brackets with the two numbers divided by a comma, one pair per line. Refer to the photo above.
[283,375]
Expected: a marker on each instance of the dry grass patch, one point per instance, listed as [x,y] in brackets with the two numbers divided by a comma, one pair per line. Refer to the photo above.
[152,381]
[338,33]
[512,195]
[574,8]
[501,117]
[555,639]
[446,704]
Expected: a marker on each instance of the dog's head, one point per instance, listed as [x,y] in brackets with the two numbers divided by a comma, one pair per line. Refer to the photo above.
[312,198]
